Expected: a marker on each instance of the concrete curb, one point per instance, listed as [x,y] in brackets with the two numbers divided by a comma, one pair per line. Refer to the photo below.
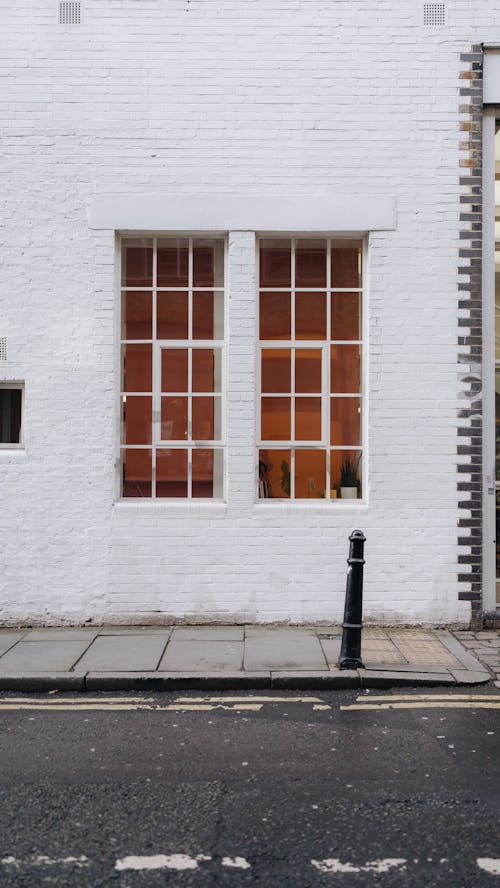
[226,681]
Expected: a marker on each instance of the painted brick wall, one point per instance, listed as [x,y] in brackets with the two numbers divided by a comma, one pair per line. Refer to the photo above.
[210,97]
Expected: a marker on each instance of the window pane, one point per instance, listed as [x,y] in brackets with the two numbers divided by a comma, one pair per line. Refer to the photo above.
[137,368]
[207,473]
[310,263]
[173,262]
[308,370]
[275,263]
[137,315]
[345,421]
[308,419]
[208,263]
[172,315]
[275,316]
[137,263]
[136,473]
[207,370]
[171,473]
[275,419]
[346,316]
[274,474]
[345,473]
[174,369]
[276,370]
[310,316]
[137,418]
[10,415]
[174,419]
[208,315]
[346,263]
[206,419]
[310,474]
[345,368]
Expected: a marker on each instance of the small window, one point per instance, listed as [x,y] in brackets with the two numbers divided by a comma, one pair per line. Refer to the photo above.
[11,401]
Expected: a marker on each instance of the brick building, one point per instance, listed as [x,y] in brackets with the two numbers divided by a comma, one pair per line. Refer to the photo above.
[247,304]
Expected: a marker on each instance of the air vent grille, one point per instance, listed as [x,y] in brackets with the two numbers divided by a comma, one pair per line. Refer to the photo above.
[70,12]
[434,14]
[3,348]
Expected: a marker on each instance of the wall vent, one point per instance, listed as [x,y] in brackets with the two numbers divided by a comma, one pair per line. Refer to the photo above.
[3,348]
[434,14]
[70,12]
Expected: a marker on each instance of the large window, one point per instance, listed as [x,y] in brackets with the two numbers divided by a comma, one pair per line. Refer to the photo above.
[172,433]
[310,349]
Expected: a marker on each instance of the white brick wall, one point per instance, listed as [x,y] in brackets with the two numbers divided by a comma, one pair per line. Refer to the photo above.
[273,97]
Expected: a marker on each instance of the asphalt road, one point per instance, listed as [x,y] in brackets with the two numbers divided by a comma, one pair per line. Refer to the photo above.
[286,793]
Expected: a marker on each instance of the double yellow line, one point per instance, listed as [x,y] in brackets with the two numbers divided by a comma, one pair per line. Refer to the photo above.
[126,704]
[425,701]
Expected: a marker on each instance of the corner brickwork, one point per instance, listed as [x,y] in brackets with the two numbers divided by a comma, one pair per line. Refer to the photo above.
[470,428]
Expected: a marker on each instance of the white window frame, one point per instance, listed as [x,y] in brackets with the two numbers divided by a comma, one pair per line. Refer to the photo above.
[17,386]
[157,443]
[319,344]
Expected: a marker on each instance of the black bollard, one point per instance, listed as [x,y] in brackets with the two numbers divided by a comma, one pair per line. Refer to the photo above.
[350,651]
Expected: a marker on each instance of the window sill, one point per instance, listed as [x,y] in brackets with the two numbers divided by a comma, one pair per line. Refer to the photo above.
[13,450]
[319,505]
[169,507]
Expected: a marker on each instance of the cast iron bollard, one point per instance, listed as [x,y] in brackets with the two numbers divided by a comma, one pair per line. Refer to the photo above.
[350,651]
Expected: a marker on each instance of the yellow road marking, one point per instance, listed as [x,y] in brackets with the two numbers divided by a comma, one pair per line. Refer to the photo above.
[250,698]
[79,707]
[424,704]
[208,707]
[80,699]
[446,695]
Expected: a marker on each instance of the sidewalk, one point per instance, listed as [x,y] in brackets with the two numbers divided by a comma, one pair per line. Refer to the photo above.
[232,657]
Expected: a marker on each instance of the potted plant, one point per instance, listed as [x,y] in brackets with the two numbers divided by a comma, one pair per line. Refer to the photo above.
[349,482]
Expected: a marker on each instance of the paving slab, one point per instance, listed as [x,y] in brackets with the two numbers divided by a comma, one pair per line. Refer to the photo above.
[42,656]
[464,657]
[9,639]
[331,649]
[81,634]
[202,656]
[252,631]
[208,633]
[33,682]
[134,630]
[423,648]
[133,653]
[407,667]
[280,651]
[467,676]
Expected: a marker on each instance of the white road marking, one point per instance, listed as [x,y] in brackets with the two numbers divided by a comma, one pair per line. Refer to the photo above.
[334,865]
[237,862]
[161,861]
[43,860]
[490,865]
